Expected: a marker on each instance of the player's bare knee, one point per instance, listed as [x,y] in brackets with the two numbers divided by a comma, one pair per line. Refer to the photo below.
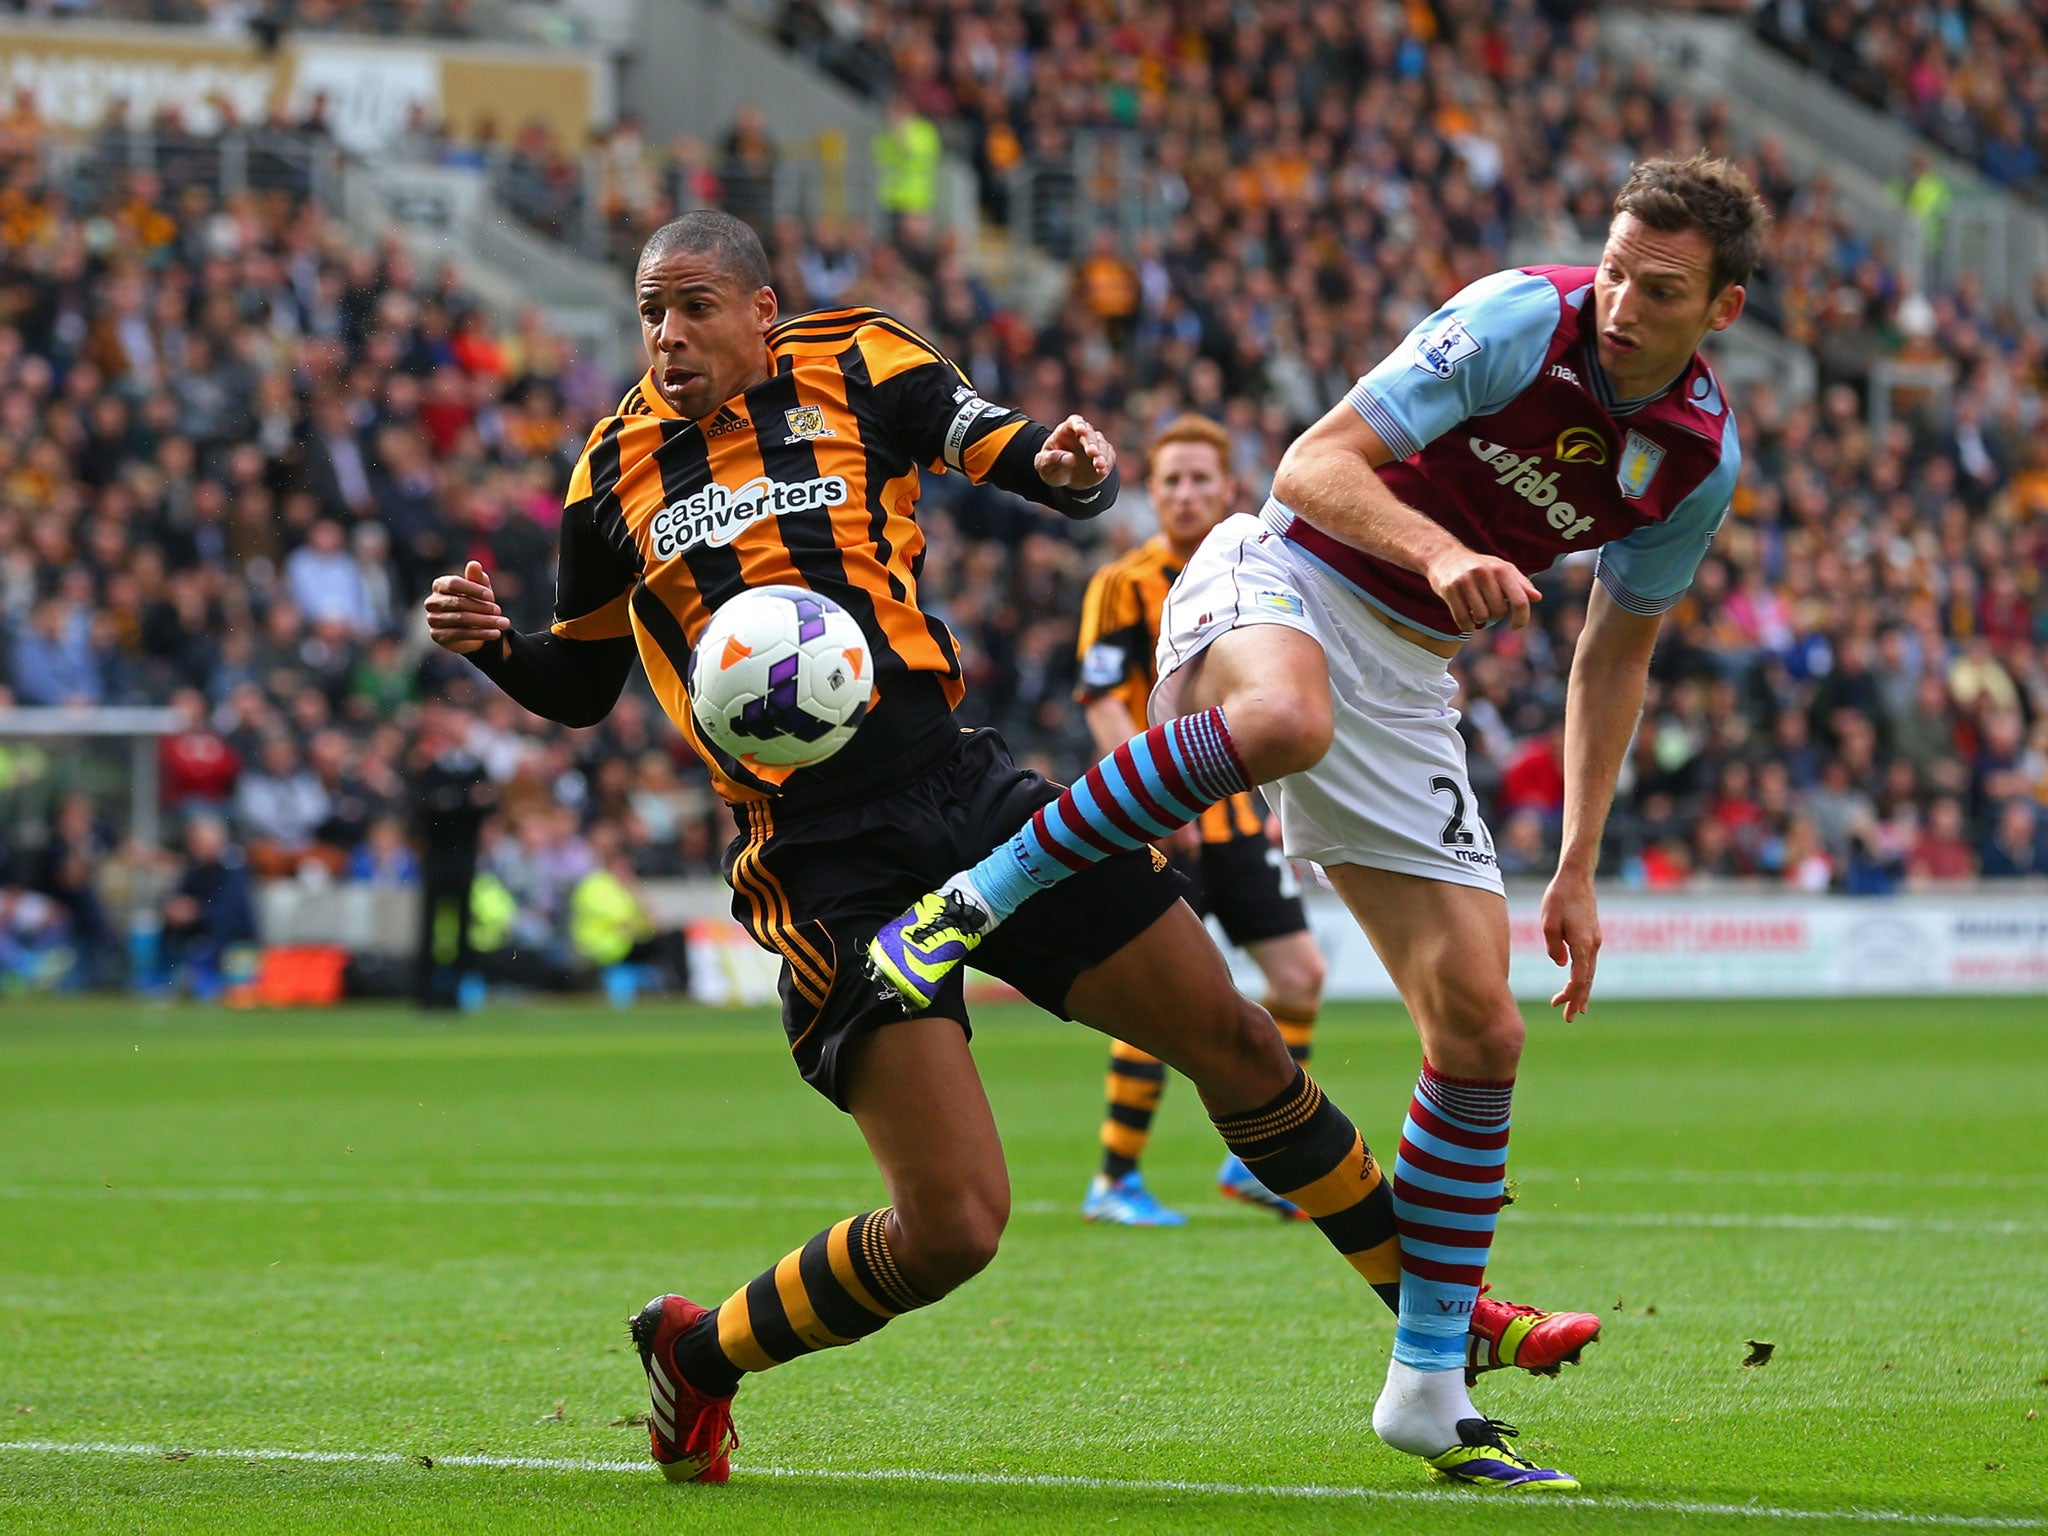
[1250,1050]
[1501,1044]
[1473,1030]
[946,1246]
[1294,986]
[1279,731]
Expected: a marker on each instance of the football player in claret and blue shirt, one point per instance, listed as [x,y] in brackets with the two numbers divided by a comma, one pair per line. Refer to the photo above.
[1539,412]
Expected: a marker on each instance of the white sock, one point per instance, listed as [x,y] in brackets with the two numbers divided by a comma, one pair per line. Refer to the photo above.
[1418,1411]
[962,885]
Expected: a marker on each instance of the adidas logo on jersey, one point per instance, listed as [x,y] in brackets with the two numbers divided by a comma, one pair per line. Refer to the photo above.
[1523,474]
[726,422]
[715,515]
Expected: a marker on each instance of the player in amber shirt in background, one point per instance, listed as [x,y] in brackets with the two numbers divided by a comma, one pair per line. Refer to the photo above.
[1234,871]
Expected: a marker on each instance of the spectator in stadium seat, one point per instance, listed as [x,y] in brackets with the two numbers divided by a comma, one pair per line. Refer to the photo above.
[1806,863]
[384,858]
[67,872]
[1714,855]
[370,546]
[407,489]
[746,170]
[830,264]
[383,682]
[2011,159]
[196,767]
[1667,865]
[211,908]
[334,760]
[1532,779]
[1875,863]
[324,581]
[1942,855]
[55,661]
[336,467]
[1106,287]
[279,805]
[2018,844]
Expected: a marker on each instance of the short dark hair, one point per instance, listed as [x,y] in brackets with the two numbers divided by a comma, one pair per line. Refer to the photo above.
[706,231]
[1706,193]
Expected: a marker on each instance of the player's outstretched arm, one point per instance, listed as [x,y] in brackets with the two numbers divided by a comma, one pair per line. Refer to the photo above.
[1604,700]
[1330,476]
[934,412]
[574,682]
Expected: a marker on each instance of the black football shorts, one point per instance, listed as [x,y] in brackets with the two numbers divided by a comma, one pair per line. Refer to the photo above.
[1246,885]
[814,885]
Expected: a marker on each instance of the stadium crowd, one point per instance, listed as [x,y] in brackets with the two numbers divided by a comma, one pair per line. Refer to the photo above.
[1971,76]
[412,18]
[234,447]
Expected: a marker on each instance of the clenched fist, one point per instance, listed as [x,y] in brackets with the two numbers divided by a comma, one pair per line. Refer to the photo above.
[463,613]
[1481,588]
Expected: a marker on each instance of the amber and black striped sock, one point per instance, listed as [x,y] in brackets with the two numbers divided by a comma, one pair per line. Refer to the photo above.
[1304,1149]
[1135,1083]
[840,1286]
[1298,1030]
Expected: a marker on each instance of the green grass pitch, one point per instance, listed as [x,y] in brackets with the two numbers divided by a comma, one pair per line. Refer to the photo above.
[386,1242]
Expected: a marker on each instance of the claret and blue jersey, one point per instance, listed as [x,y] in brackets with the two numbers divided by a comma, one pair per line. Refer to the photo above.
[1506,430]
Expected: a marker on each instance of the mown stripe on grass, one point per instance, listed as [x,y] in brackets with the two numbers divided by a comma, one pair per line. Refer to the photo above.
[606,1199]
[1050,1481]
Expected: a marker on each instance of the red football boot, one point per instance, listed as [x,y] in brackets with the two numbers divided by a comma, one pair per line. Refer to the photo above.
[691,1434]
[1505,1334]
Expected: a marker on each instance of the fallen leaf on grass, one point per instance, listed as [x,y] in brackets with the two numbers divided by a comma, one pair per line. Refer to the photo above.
[177,1456]
[1994,1466]
[423,1461]
[558,1415]
[632,1421]
[1759,1354]
[25,1408]
[2031,1414]
[1648,1311]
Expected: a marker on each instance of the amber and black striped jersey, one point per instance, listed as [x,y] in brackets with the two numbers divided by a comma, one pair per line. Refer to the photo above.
[809,478]
[1118,641]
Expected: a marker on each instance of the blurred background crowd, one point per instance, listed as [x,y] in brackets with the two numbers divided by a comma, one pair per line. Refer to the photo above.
[1971,76]
[236,446]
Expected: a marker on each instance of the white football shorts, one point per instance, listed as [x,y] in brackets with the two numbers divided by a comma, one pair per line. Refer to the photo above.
[1392,792]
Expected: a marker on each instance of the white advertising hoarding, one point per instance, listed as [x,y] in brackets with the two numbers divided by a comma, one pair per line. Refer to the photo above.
[1748,945]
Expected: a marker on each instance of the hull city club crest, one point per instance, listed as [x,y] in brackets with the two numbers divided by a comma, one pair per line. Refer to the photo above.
[806,422]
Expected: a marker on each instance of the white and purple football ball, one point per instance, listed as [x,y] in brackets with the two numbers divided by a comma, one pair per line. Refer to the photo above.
[781,677]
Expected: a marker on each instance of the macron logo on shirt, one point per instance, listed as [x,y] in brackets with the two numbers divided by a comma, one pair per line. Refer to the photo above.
[1440,352]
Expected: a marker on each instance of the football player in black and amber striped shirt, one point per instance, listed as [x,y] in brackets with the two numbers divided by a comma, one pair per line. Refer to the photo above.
[1236,873]
[758,451]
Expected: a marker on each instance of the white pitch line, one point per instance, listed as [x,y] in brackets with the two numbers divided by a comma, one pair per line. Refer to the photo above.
[1526,1213]
[1049,1481]
[1796,1178]
[1822,1222]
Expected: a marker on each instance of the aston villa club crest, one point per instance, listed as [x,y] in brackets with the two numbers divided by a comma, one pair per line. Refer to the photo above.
[806,422]
[1639,460]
